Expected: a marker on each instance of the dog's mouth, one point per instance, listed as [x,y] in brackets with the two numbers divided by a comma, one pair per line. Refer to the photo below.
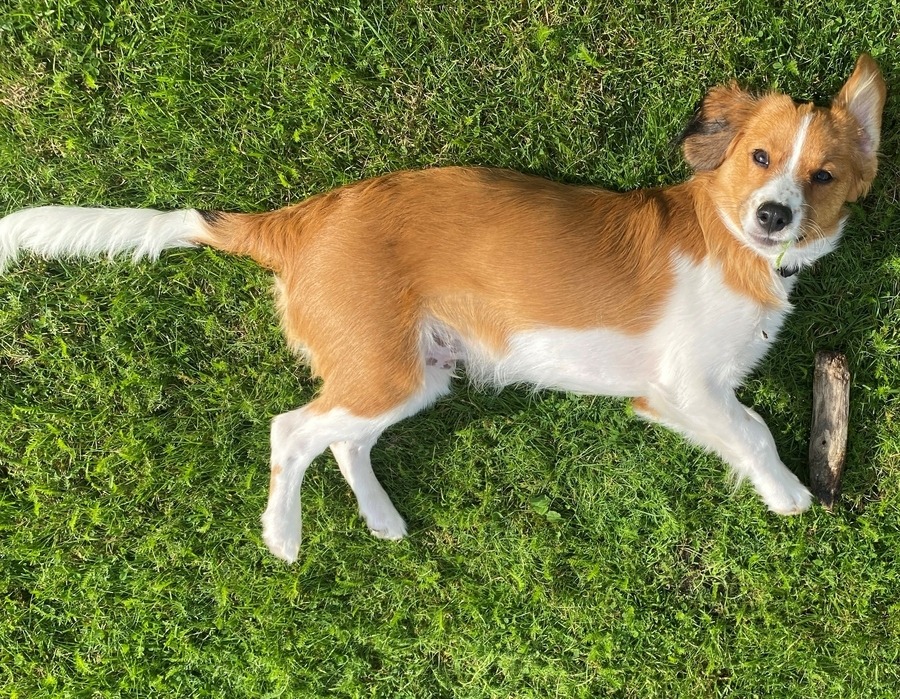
[770,242]
[766,243]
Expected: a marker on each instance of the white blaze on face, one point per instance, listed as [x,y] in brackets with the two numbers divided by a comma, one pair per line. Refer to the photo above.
[785,188]
[799,143]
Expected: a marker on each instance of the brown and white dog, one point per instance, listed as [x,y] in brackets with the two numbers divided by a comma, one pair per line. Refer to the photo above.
[667,296]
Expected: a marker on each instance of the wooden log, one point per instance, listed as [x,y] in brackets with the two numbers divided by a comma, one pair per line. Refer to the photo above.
[828,437]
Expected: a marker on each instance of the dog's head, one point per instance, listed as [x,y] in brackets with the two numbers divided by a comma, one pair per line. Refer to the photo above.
[781,172]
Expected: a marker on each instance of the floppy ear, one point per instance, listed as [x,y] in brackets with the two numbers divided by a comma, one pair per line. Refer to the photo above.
[717,120]
[863,97]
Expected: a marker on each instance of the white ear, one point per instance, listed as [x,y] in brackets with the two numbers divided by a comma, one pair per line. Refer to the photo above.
[863,96]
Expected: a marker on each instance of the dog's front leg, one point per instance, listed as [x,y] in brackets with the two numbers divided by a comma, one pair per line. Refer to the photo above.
[714,419]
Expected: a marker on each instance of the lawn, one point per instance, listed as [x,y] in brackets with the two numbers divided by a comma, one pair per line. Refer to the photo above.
[558,547]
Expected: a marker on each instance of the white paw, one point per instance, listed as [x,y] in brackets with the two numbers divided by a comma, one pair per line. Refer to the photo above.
[386,524]
[282,536]
[785,495]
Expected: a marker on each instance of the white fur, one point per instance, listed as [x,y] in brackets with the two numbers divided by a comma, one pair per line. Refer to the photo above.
[798,146]
[597,362]
[800,256]
[705,328]
[68,231]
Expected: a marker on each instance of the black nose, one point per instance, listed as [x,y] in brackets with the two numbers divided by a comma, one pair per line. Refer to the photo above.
[773,217]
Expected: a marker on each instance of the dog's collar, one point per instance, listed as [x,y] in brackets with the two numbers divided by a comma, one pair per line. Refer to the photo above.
[787,270]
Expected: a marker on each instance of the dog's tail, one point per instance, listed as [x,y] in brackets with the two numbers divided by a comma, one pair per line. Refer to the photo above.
[68,231]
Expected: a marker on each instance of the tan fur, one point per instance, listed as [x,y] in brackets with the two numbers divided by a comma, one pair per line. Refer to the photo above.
[642,407]
[274,472]
[829,146]
[719,118]
[866,76]
[491,252]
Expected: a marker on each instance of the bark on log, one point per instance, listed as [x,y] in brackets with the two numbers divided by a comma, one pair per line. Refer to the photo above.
[828,437]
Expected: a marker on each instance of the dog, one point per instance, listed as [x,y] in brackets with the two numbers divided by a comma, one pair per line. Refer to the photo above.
[665,296]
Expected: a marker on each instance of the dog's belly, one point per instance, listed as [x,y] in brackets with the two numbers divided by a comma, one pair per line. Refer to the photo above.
[600,362]
[705,334]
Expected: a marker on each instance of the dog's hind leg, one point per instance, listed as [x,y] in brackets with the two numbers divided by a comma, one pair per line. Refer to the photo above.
[382,518]
[353,456]
[300,435]
[297,438]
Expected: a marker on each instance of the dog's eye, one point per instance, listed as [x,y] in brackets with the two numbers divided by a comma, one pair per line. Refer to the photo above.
[761,158]
[822,176]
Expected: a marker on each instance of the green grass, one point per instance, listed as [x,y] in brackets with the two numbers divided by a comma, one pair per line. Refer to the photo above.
[134,401]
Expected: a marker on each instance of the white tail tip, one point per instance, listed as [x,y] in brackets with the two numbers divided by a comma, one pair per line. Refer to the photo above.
[69,231]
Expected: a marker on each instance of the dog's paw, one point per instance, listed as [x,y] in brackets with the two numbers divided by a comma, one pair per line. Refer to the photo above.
[786,495]
[386,524]
[282,538]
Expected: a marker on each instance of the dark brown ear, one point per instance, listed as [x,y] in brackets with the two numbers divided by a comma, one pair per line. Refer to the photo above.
[716,121]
